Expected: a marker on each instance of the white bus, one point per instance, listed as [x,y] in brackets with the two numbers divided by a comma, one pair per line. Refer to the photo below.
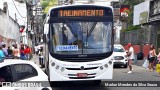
[79,43]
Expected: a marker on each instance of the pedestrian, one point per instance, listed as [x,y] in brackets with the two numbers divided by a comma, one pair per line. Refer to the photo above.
[130,55]
[36,49]
[41,57]
[10,52]
[2,56]
[158,58]
[13,46]
[16,52]
[152,55]
[4,49]
[22,54]
[39,48]
[27,52]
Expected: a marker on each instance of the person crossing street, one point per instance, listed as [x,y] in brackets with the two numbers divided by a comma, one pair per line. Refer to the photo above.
[130,55]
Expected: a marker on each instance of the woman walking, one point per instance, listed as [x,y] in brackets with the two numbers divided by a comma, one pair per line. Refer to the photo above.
[27,52]
[152,55]
[158,58]
[22,54]
[16,52]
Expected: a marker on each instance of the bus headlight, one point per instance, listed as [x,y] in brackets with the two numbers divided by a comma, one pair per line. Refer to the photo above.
[110,62]
[101,67]
[57,67]
[53,64]
[62,69]
[106,65]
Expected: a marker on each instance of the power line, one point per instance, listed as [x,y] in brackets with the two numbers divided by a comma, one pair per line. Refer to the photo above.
[16,5]
[17,10]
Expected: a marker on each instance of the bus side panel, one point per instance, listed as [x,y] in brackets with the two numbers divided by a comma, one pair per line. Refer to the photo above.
[46,55]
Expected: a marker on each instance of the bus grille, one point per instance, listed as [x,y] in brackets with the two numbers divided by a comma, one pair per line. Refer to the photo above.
[81,69]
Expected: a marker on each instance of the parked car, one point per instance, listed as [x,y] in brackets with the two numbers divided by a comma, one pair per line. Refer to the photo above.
[26,73]
[119,56]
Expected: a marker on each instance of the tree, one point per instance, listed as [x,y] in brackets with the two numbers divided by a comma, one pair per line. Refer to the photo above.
[47,4]
[131,3]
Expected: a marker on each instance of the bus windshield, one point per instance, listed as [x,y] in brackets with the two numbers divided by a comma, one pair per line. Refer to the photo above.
[76,37]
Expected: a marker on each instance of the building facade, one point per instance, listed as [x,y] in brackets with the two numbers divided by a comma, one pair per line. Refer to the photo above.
[154,21]
[9,29]
[149,34]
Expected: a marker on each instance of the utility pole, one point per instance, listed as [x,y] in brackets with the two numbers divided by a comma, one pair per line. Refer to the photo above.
[29,15]
[38,26]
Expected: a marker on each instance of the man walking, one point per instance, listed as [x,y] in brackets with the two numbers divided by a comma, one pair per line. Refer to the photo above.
[4,49]
[130,55]
[27,52]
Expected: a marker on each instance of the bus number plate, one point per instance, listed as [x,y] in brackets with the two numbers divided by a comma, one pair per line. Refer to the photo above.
[81,74]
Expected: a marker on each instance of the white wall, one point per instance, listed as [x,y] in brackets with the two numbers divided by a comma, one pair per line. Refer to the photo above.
[9,29]
[19,9]
[142,7]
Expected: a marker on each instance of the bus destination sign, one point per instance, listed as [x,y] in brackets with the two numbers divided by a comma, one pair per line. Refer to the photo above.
[73,13]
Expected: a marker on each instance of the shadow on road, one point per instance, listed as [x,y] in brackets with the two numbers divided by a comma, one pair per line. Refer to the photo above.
[118,66]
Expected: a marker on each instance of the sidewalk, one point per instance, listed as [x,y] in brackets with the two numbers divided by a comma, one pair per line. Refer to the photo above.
[35,59]
[139,62]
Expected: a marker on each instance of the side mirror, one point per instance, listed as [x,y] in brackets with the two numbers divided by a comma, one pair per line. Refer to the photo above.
[46,28]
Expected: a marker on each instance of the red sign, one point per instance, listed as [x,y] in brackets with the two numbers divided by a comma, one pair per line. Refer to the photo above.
[124,10]
[21,29]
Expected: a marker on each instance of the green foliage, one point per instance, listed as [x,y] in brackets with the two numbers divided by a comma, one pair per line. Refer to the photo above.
[44,4]
[44,16]
[47,4]
[131,3]
[123,30]
[137,27]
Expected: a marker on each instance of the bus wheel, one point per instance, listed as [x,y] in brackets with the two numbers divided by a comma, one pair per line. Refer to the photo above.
[97,82]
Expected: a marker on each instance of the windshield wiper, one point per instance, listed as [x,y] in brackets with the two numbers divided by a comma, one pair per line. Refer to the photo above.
[92,28]
[74,33]
[89,33]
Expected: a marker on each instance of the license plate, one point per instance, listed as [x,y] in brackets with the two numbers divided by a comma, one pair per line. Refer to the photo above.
[81,74]
[118,61]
